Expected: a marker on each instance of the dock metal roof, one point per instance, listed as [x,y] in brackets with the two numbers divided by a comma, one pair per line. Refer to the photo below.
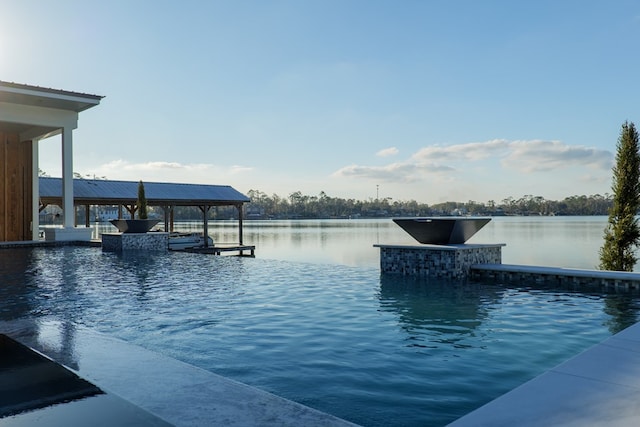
[108,192]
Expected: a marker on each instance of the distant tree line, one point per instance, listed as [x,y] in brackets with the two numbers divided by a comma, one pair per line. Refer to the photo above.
[302,206]
[299,205]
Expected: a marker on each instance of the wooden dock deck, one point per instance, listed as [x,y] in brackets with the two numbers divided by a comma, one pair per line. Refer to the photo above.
[218,249]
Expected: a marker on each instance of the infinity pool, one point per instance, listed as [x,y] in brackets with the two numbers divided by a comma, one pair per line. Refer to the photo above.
[373,350]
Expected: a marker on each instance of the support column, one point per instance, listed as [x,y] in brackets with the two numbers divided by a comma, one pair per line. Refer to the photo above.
[205,224]
[68,232]
[67,178]
[240,215]
[165,210]
[87,216]
[35,190]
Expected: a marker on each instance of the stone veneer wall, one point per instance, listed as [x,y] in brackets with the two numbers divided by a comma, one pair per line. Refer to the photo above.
[556,276]
[118,242]
[450,262]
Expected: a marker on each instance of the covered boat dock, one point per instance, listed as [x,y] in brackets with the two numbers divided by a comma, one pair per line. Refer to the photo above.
[124,194]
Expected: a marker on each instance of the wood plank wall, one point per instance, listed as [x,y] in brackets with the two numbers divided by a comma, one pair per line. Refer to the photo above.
[15,188]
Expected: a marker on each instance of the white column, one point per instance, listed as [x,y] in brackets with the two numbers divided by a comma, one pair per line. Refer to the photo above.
[35,189]
[67,178]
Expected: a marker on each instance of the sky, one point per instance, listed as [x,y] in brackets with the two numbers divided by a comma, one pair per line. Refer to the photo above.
[426,100]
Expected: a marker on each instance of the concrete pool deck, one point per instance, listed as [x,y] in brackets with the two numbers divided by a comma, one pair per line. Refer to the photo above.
[598,387]
[175,392]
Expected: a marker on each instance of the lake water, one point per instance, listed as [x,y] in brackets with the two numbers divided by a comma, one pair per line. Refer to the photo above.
[311,318]
[552,241]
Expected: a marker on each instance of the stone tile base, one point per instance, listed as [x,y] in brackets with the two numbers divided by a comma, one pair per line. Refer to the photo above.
[536,275]
[118,242]
[450,261]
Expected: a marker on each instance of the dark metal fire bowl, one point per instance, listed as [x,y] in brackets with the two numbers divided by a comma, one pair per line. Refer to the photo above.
[134,225]
[442,230]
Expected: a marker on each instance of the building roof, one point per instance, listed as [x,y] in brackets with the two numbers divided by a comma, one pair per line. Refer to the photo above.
[108,192]
[17,93]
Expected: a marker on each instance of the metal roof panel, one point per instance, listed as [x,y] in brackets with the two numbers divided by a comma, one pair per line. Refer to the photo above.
[111,191]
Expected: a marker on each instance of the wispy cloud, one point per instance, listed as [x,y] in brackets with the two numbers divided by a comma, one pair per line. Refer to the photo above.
[168,165]
[541,156]
[236,169]
[459,152]
[387,152]
[167,171]
[526,157]
[395,172]
[150,166]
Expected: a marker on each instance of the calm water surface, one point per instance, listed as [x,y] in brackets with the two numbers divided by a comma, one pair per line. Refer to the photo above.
[311,319]
[553,241]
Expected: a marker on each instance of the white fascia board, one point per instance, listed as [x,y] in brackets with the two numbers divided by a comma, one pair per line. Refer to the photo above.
[38,116]
[53,95]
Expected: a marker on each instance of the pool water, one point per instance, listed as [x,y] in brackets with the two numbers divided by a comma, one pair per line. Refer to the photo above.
[375,350]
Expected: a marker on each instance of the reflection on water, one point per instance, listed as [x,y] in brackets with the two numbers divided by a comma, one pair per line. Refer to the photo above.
[624,310]
[347,242]
[554,241]
[35,391]
[16,280]
[434,312]
[31,381]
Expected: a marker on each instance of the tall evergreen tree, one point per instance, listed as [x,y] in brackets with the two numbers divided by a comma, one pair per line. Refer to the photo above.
[142,202]
[622,234]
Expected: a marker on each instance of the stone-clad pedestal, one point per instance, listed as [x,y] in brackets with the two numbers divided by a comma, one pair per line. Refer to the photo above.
[118,242]
[440,261]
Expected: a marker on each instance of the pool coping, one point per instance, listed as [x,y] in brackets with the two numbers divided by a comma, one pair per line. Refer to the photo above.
[625,280]
[600,386]
[179,393]
[558,271]
[447,247]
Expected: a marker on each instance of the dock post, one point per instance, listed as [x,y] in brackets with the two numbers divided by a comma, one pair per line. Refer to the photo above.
[205,214]
[240,214]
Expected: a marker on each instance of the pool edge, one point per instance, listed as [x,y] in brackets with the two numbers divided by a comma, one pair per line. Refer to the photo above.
[179,393]
[599,386]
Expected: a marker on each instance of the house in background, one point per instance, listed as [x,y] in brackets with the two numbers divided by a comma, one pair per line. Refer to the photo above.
[29,114]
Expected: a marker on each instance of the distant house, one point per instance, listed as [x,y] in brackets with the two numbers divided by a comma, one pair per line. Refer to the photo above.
[255,212]
[106,213]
